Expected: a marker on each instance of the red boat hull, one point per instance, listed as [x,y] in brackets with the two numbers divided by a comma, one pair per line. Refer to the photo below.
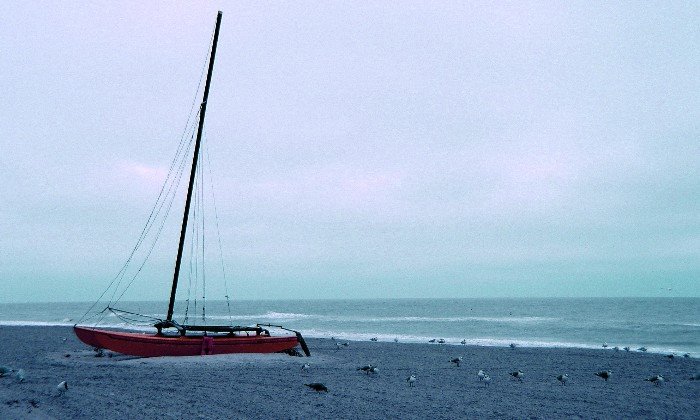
[149,345]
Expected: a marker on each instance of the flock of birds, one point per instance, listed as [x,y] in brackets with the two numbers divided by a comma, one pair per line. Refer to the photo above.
[483,376]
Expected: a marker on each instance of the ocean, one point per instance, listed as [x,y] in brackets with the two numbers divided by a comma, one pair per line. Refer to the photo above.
[662,325]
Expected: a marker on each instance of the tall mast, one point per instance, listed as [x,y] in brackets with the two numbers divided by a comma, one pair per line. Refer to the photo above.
[202,112]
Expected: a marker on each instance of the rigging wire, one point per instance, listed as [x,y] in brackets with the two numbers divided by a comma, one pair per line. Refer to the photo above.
[172,182]
[218,235]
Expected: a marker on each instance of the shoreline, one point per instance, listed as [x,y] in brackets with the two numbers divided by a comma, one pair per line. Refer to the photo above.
[272,386]
[389,338]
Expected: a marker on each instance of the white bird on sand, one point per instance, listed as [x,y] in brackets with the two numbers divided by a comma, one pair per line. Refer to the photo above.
[481,375]
[62,388]
[487,380]
[518,374]
[605,374]
[411,380]
[457,360]
[563,378]
[305,367]
[20,375]
[656,380]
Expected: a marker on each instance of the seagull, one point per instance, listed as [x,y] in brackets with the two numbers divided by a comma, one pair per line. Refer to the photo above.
[518,375]
[656,380]
[670,356]
[616,348]
[605,374]
[695,377]
[642,349]
[441,341]
[64,339]
[605,345]
[305,367]
[396,340]
[512,345]
[687,355]
[340,345]
[5,370]
[481,375]
[62,387]
[456,360]
[318,387]
[373,339]
[20,375]
[626,348]
[369,369]
[431,341]
[411,380]
[487,380]
[563,378]
[463,342]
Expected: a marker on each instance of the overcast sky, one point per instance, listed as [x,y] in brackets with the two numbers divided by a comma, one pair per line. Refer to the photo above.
[358,149]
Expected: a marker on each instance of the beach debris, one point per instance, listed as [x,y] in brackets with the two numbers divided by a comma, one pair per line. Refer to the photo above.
[463,342]
[518,374]
[305,367]
[317,386]
[695,377]
[373,339]
[605,374]
[369,369]
[431,341]
[64,339]
[61,388]
[626,348]
[457,361]
[670,356]
[5,370]
[563,378]
[656,380]
[605,345]
[642,349]
[20,375]
[481,375]
[513,346]
[441,341]
[487,380]
[687,355]
[411,380]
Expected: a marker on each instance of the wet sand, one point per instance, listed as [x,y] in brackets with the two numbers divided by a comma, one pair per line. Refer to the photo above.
[272,386]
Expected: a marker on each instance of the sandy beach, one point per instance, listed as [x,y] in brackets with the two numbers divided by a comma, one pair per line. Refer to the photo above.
[272,386]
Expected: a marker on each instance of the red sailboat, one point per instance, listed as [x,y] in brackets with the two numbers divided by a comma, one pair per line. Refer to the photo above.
[181,339]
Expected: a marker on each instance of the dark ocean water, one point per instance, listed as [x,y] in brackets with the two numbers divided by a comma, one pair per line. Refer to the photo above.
[662,325]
